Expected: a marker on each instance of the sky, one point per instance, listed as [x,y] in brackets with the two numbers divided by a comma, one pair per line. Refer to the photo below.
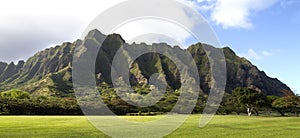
[264,31]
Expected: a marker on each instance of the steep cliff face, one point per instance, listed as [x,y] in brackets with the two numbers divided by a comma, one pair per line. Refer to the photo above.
[241,73]
[42,66]
[49,72]
[9,70]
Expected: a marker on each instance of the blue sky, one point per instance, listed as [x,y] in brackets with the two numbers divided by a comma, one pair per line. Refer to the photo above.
[264,31]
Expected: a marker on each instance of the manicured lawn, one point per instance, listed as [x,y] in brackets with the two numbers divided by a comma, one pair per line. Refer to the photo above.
[241,126]
[47,126]
[220,126]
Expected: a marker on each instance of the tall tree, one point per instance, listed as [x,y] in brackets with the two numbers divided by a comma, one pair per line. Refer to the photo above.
[249,98]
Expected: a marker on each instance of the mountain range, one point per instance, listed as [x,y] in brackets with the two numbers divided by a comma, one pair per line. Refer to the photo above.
[49,72]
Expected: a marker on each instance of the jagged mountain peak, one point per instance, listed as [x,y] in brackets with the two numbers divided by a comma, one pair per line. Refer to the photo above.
[49,71]
[95,34]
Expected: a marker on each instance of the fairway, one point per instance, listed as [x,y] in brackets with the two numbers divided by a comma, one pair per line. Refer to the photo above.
[220,126]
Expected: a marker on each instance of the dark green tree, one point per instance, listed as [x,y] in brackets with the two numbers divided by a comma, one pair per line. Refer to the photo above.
[270,100]
[249,98]
[229,105]
[291,102]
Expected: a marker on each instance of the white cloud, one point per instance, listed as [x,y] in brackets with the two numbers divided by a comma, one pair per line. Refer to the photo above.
[237,13]
[253,55]
[232,13]
[32,25]
[152,27]
[267,53]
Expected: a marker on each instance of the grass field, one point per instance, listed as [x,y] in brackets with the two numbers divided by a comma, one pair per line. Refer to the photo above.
[220,126]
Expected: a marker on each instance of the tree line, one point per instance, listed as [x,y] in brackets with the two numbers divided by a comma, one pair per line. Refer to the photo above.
[17,102]
[241,100]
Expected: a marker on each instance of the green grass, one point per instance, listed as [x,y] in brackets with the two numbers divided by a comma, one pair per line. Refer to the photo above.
[241,126]
[220,126]
[47,126]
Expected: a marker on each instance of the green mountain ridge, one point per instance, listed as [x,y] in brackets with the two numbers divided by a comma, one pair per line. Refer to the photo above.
[49,72]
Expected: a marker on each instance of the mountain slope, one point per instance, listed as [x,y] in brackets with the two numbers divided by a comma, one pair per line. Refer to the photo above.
[49,72]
